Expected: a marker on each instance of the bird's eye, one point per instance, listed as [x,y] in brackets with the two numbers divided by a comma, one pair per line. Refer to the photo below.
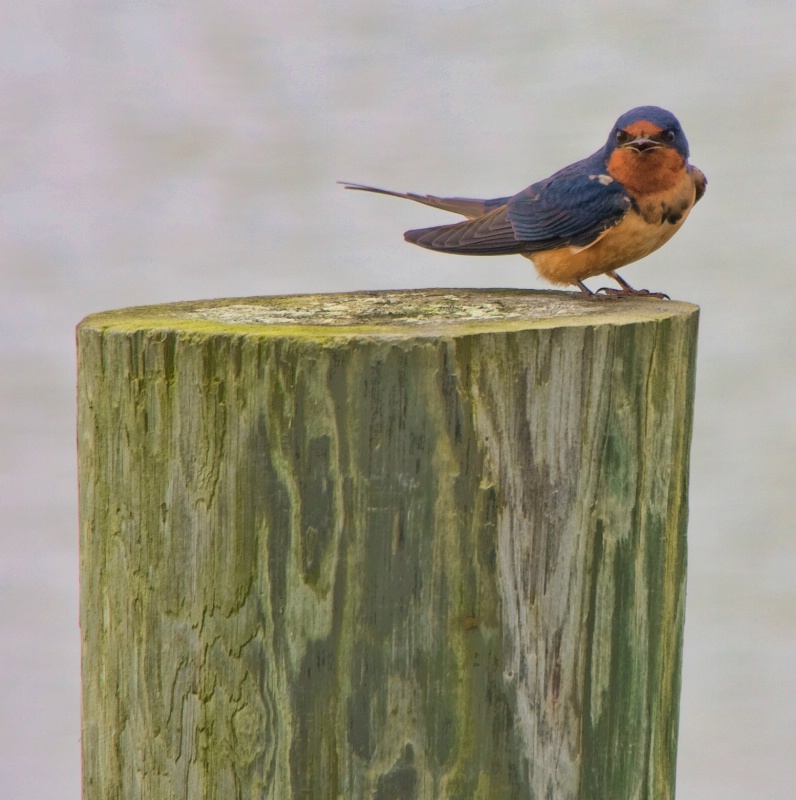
[622,137]
[670,136]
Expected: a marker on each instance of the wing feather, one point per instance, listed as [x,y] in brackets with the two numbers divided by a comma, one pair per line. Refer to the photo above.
[573,207]
[489,234]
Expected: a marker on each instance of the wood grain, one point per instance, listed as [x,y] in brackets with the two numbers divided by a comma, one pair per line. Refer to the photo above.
[385,545]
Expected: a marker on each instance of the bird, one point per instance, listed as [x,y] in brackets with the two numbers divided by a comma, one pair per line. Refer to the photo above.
[589,218]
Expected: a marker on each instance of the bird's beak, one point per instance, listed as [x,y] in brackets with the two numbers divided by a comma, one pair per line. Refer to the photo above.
[641,144]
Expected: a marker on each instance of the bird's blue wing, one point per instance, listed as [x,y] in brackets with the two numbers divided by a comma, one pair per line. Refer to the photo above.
[570,208]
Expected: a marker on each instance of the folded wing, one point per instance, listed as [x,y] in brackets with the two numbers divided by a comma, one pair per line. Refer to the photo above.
[570,208]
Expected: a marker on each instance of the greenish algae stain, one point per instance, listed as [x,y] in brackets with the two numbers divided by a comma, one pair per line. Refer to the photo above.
[640,693]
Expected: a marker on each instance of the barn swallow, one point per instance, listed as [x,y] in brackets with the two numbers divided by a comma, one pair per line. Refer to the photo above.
[587,219]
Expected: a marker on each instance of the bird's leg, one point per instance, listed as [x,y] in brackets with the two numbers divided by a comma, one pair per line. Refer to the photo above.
[585,292]
[627,290]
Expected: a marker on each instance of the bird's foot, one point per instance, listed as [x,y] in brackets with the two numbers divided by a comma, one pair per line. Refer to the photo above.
[586,293]
[629,291]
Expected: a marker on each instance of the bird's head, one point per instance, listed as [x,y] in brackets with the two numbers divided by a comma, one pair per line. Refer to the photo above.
[645,146]
[647,128]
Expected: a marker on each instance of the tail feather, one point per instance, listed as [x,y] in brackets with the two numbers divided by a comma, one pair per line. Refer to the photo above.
[466,206]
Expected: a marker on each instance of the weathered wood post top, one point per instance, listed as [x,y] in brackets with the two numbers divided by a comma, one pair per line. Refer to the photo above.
[403,544]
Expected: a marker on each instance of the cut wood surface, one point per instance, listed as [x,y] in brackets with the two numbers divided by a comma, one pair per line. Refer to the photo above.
[412,544]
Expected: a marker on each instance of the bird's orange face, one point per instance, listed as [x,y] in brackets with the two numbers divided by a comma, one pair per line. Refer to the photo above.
[645,158]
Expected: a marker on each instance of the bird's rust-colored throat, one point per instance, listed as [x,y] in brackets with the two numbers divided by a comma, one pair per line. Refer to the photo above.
[647,171]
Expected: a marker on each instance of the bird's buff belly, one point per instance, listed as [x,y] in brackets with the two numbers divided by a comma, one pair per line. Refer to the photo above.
[632,239]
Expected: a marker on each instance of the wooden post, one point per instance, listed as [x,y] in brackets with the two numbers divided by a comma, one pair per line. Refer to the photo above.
[384,545]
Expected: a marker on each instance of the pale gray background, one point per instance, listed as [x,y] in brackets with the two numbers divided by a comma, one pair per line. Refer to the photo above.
[157,151]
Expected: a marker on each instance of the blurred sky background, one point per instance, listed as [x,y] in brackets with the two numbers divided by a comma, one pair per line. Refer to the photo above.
[159,151]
